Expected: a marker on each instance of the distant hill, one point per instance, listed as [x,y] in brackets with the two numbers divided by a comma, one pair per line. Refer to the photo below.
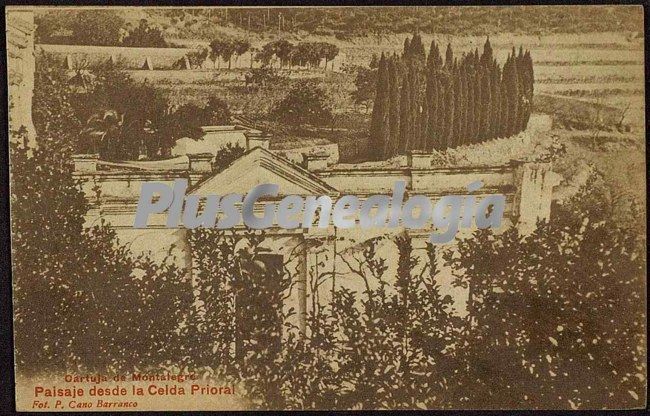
[346,23]
[363,21]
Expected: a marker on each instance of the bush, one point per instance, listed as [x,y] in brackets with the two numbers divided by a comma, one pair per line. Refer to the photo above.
[554,320]
[145,36]
[82,302]
[557,318]
[306,103]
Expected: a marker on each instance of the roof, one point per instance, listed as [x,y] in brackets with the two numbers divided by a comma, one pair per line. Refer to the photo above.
[258,166]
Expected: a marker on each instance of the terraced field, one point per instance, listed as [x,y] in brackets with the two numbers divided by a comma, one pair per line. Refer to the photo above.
[602,68]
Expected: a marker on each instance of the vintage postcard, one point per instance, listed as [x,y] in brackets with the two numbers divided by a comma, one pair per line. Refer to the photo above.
[331,208]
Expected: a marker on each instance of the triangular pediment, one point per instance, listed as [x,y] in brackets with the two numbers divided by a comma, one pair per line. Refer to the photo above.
[258,166]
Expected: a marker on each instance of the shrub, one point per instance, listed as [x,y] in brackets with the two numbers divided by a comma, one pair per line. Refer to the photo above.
[306,103]
[82,302]
[145,36]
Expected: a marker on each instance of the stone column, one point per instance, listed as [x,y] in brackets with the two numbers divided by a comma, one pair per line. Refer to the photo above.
[315,161]
[20,70]
[257,139]
[85,163]
[200,166]
[419,159]
[534,182]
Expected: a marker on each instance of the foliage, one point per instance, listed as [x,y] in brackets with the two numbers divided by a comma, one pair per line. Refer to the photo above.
[239,318]
[96,27]
[83,27]
[225,48]
[543,326]
[145,36]
[365,83]
[305,103]
[197,57]
[82,301]
[265,76]
[218,111]
[115,116]
[280,48]
[142,125]
[556,318]
[55,118]
[425,103]
[303,54]
[226,156]
[361,21]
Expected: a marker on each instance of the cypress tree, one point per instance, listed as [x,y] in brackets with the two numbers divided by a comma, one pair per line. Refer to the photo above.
[417,48]
[496,100]
[505,103]
[434,60]
[449,57]
[449,122]
[379,122]
[462,133]
[486,58]
[529,76]
[432,105]
[469,134]
[405,115]
[423,102]
[512,91]
[407,47]
[486,100]
[526,85]
[393,113]
[458,108]
[478,106]
[414,108]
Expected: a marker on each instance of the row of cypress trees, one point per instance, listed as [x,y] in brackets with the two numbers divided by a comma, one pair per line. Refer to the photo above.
[423,102]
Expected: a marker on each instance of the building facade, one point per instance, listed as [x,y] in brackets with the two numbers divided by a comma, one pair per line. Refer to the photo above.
[114,189]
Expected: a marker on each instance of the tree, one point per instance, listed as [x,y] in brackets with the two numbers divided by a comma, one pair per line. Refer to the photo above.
[79,305]
[228,49]
[53,27]
[393,110]
[145,36]
[365,84]
[330,51]
[241,47]
[216,50]
[466,100]
[550,329]
[143,112]
[379,122]
[218,112]
[305,103]
[281,48]
[197,57]
[449,57]
[96,27]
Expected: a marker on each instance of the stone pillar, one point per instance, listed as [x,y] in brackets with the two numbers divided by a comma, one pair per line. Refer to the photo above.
[534,182]
[315,161]
[200,166]
[257,139]
[419,159]
[86,163]
[20,70]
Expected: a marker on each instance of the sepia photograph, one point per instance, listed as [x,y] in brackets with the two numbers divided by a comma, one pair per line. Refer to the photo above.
[327,208]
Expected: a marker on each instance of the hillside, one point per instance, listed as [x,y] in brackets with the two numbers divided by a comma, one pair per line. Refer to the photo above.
[348,23]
